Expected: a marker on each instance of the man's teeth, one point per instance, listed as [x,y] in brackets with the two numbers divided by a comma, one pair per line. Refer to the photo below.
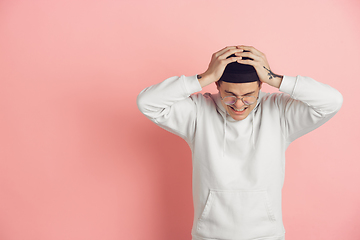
[239,110]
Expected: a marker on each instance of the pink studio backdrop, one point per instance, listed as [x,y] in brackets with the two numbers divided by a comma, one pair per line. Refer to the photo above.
[79,161]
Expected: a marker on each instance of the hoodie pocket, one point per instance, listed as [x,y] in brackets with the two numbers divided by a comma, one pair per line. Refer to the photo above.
[237,214]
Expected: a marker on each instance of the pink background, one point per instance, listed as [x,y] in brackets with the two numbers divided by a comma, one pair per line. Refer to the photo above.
[79,161]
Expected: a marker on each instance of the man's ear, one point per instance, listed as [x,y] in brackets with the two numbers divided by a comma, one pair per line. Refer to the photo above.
[217,86]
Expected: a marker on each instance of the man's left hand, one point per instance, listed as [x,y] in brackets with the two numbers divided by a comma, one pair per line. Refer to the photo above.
[259,62]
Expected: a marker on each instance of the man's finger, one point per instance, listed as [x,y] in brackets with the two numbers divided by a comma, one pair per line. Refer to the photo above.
[248,62]
[249,55]
[230,52]
[222,51]
[251,49]
[231,59]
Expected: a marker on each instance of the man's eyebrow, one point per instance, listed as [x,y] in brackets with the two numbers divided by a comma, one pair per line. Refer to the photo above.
[241,95]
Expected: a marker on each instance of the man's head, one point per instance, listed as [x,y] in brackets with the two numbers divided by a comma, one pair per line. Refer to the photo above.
[241,81]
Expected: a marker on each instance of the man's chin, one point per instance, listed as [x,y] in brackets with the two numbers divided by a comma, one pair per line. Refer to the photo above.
[238,117]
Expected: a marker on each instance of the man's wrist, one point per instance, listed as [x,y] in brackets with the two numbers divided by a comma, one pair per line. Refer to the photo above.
[204,80]
[276,81]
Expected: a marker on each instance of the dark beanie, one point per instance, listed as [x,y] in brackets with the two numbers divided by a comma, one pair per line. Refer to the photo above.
[239,73]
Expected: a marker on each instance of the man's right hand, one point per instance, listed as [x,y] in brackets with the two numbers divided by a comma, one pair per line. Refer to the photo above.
[217,65]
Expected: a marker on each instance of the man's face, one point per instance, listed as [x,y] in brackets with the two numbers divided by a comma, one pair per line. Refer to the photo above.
[238,90]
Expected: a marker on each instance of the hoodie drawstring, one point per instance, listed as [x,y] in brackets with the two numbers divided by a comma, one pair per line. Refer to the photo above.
[252,131]
[224,134]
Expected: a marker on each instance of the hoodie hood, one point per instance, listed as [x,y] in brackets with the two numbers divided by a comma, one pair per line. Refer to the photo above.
[227,118]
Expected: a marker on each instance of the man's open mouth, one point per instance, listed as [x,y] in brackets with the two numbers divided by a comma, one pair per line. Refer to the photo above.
[239,110]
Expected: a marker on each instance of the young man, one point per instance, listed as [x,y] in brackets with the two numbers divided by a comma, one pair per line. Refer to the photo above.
[238,138]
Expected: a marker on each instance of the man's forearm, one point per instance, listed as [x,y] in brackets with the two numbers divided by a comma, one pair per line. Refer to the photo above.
[276,82]
[273,79]
[204,80]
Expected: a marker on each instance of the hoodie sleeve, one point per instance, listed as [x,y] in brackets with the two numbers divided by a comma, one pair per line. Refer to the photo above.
[169,105]
[308,105]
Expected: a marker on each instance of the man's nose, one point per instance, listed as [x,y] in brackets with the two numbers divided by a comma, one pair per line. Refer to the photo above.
[239,104]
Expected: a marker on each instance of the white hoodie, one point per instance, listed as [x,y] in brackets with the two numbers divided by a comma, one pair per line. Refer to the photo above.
[239,166]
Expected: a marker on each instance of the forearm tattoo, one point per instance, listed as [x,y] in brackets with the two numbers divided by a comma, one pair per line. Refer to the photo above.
[271,74]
